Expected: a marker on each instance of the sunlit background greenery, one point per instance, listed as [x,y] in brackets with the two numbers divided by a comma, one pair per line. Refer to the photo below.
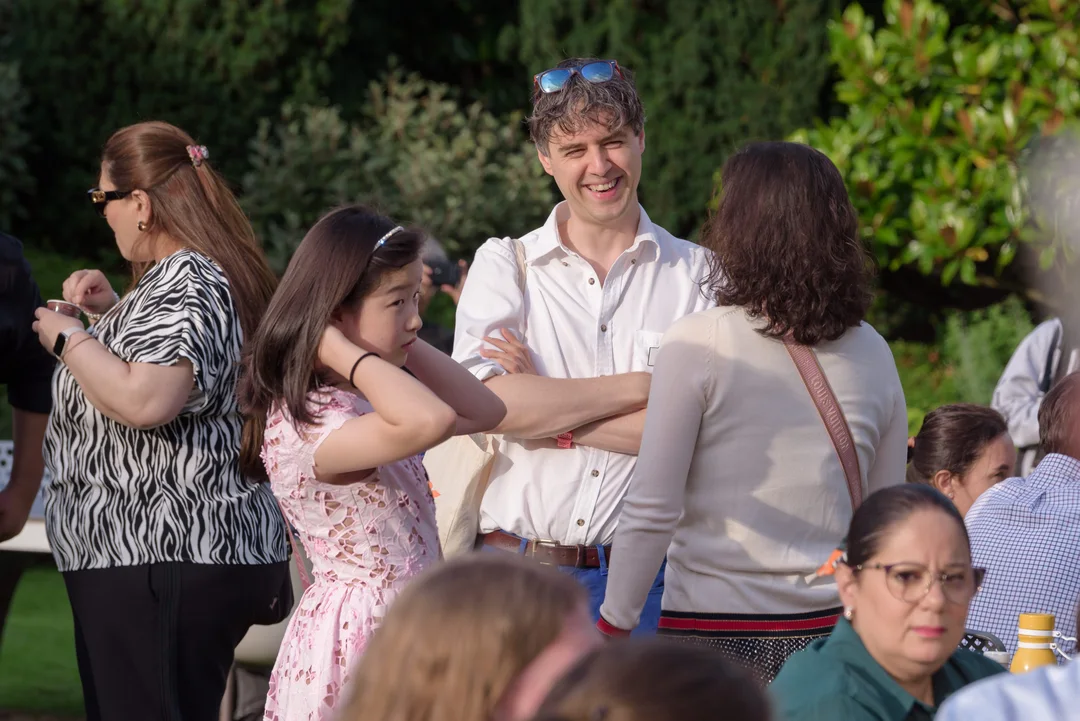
[950,121]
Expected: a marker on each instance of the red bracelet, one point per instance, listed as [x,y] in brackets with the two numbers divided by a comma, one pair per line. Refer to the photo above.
[565,440]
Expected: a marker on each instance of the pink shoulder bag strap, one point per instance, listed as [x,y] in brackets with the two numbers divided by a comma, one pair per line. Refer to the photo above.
[831,415]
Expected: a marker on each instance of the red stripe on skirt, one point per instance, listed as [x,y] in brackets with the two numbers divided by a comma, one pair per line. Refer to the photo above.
[701,624]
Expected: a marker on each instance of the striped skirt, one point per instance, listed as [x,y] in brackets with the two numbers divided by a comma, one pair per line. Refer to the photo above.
[761,643]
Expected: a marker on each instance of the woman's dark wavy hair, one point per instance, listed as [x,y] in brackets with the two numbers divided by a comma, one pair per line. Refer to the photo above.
[333,268]
[785,243]
[952,438]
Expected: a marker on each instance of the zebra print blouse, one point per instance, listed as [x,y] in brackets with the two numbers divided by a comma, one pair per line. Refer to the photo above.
[120,496]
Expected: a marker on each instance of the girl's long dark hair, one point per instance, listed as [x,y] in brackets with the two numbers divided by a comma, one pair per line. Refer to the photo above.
[333,268]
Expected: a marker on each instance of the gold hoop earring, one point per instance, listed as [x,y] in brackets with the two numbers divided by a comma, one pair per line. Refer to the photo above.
[142,226]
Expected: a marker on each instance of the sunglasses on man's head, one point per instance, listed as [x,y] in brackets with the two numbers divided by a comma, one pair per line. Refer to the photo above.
[100,198]
[554,80]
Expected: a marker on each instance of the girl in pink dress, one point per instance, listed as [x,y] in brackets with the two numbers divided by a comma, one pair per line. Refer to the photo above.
[345,426]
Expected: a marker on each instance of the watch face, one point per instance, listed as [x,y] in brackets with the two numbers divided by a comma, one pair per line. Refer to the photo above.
[61,340]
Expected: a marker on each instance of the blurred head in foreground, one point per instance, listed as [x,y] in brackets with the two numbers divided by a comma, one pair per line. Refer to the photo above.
[655,680]
[479,638]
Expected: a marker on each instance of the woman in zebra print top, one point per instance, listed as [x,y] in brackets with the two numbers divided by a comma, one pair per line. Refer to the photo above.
[169,549]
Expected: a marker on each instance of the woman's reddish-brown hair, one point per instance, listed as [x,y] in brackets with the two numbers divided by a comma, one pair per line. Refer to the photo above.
[193,206]
[786,245]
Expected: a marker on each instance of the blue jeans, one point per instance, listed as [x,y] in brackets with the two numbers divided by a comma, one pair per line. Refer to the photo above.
[594,581]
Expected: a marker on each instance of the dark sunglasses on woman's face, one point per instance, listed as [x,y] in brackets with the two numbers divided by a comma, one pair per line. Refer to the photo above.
[100,198]
[554,80]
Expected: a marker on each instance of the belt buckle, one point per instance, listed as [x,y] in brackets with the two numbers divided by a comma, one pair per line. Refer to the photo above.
[544,543]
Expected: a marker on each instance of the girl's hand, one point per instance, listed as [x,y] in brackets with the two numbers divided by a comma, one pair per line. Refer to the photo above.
[90,290]
[330,347]
[49,324]
[512,354]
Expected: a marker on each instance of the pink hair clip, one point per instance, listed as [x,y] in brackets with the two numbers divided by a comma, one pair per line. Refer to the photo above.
[197,153]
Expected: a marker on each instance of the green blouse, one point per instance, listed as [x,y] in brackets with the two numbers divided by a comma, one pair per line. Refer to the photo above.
[836,679]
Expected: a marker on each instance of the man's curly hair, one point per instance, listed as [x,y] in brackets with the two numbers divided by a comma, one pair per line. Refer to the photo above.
[613,103]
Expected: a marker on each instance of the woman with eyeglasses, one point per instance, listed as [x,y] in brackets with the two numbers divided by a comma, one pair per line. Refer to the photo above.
[169,548]
[905,583]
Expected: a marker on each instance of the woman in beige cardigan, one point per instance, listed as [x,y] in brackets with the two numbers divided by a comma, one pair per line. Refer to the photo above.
[737,479]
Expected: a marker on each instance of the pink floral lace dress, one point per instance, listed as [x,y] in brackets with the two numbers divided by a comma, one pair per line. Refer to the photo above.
[365,541]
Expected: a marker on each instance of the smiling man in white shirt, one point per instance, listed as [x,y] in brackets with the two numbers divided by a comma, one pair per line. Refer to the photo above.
[571,355]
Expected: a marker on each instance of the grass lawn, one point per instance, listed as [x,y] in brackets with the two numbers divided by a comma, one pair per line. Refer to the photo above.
[37,656]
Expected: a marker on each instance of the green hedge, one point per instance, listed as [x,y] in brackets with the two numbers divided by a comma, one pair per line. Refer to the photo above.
[966,361]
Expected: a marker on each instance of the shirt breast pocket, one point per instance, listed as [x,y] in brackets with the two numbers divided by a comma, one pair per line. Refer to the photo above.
[646,346]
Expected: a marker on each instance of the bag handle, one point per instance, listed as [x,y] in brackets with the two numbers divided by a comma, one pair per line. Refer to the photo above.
[519,252]
[831,415]
[305,580]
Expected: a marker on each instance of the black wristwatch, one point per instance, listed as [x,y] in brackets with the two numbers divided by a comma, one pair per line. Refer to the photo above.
[62,339]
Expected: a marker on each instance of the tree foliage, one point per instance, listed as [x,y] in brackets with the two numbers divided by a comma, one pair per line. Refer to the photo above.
[415,153]
[712,75]
[93,66]
[940,118]
[15,182]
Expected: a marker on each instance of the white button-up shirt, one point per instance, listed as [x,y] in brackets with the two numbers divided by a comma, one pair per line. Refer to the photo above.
[575,327]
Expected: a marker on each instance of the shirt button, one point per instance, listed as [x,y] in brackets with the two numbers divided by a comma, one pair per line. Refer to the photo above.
[603,328]
[633,261]
[581,521]
[592,281]
[565,264]
[595,474]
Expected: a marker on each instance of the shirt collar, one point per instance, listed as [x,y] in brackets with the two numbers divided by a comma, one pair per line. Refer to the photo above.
[1056,466]
[899,703]
[548,240]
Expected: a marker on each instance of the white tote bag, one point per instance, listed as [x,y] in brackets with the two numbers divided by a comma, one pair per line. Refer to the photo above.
[459,470]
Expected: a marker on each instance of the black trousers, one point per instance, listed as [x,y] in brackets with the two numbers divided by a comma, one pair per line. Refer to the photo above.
[155,642]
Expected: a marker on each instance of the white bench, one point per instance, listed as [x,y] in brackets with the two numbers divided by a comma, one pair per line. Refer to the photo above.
[33,538]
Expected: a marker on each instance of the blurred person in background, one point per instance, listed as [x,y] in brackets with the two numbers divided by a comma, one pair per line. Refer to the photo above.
[655,680]
[169,546]
[1047,354]
[482,637]
[440,275]
[26,369]
[962,450]
[906,583]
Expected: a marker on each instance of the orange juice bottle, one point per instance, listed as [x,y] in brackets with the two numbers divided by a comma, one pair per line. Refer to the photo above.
[1035,634]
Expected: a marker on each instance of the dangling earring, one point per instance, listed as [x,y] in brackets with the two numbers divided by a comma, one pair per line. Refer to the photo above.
[142,226]
[848,612]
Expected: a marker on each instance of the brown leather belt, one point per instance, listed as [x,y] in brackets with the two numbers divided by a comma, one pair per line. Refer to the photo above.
[546,552]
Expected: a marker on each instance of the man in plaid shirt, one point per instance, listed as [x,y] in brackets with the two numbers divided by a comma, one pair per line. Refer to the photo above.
[1026,531]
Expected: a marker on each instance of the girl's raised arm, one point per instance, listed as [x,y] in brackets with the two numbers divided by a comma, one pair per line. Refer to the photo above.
[408,418]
